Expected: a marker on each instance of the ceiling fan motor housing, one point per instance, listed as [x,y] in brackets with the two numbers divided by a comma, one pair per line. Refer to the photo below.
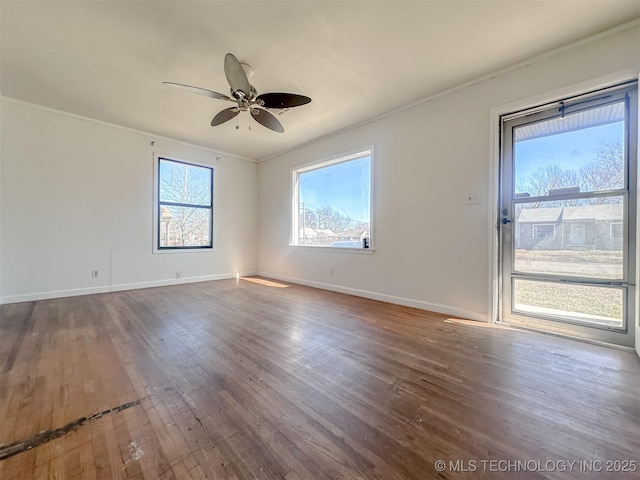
[246,97]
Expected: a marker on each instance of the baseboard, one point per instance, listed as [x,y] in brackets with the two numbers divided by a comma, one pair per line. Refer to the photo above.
[166,283]
[408,302]
[30,297]
[383,297]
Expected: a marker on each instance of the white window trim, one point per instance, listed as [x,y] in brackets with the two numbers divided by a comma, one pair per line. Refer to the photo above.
[156,158]
[544,225]
[295,195]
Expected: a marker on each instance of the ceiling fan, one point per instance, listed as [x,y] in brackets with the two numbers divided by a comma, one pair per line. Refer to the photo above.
[246,97]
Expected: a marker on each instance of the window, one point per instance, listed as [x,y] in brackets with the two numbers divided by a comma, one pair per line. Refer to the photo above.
[332,203]
[616,230]
[184,217]
[544,231]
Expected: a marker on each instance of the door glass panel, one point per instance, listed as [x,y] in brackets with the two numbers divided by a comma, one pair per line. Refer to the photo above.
[601,306]
[580,152]
[568,213]
[579,238]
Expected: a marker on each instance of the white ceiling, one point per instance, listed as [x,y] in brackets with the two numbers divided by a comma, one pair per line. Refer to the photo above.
[356,60]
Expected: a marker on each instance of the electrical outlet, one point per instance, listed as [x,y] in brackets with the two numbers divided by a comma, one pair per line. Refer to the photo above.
[95,274]
[332,272]
[178,276]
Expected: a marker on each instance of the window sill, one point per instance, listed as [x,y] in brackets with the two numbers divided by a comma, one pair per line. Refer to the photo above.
[360,251]
[183,250]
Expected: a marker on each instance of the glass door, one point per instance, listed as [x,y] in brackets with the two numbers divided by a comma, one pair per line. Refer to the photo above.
[567,223]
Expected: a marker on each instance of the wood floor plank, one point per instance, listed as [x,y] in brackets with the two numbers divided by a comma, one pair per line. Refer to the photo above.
[244,379]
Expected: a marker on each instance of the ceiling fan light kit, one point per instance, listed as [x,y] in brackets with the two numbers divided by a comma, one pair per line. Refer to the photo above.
[246,97]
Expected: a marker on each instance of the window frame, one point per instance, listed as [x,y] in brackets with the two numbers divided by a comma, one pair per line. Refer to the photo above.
[367,151]
[611,236]
[503,309]
[157,205]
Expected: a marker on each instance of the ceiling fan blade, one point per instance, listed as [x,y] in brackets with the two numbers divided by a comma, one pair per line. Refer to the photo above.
[199,91]
[236,77]
[282,100]
[225,115]
[268,120]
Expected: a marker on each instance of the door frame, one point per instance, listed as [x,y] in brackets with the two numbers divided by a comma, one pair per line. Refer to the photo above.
[494,285]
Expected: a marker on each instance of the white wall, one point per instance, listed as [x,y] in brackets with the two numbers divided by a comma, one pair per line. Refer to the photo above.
[432,250]
[77,195]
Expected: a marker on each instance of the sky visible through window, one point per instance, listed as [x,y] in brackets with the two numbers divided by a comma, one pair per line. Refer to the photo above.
[184,183]
[569,151]
[345,187]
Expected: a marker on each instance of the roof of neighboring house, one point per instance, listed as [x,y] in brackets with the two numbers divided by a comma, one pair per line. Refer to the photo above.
[540,215]
[165,213]
[594,212]
[309,232]
[581,213]
[354,232]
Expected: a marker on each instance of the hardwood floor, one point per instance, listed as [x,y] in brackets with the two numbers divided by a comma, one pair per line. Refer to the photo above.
[257,379]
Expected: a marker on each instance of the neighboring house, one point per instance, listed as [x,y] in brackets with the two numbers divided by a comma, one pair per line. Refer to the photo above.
[354,234]
[164,230]
[317,236]
[587,227]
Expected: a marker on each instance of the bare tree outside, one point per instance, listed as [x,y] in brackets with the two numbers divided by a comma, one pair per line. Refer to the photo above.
[333,203]
[185,205]
[547,178]
[326,220]
[605,172]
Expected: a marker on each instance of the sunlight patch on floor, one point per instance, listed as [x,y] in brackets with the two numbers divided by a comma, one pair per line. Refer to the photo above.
[266,283]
